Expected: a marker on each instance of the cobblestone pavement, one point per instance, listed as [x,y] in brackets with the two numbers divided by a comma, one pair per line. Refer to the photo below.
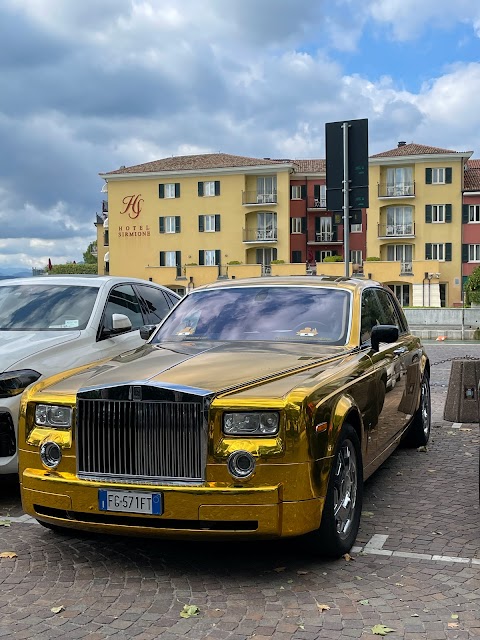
[415,568]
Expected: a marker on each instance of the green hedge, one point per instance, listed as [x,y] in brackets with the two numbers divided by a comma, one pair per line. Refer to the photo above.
[72,269]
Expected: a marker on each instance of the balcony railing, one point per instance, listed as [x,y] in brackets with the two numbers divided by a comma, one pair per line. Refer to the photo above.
[255,197]
[406,268]
[323,236]
[260,235]
[316,203]
[399,190]
[396,230]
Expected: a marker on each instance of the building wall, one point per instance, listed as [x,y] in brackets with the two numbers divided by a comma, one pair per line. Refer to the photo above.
[471,235]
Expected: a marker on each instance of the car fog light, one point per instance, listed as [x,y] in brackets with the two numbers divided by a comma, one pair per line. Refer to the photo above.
[50,454]
[241,464]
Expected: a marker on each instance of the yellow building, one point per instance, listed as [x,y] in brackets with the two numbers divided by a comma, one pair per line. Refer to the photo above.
[185,221]
[415,223]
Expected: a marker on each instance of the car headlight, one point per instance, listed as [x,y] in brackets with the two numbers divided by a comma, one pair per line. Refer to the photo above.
[252,423]
[14,382]
[50,415]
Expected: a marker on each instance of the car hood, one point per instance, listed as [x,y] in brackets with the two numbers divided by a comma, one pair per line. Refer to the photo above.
[215,367]
[16,346]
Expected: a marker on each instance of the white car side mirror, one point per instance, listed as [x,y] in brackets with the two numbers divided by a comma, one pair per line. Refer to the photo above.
[120,323]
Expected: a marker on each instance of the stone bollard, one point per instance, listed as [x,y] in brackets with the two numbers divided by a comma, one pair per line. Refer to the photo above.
[461,404]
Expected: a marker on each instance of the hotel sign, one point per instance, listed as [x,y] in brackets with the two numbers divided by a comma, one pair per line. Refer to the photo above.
[133,207]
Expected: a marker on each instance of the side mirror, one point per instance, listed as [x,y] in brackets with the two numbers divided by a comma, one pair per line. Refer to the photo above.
[383,333]
[147,330]
[120,323]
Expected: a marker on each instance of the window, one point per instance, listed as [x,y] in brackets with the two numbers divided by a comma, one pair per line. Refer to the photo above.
[209,188]
[356,256]
[438,175]
[437,251]
[324,229]
[400,181]
[399,221]
[123,300]
[400,253]
[267,189]
[402,293]
[296,192]
[319,196]
[170,260]
[169,190]
[474,213]
[321,255]
[297,256]
[170,224]
[209,223]
[266,225]
[209,258]
[296,225]
[438,213]
[355,228]
[474,252]
[156,303]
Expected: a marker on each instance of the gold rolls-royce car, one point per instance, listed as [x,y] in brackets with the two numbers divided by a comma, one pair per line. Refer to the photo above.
[255,410]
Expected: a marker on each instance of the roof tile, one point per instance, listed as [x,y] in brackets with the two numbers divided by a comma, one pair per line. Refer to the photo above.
[414,149]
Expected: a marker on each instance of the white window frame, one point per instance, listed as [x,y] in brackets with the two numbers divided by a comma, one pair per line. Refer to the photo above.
[399,220]
[209,188]
[170,190]
[400,181]
[438,251]
[296,225]
[296,192]
[170,259]
[438,175]
[209,223]
[474,213]
[356,228]
[209,258]
[325,254]
[399,252]
[169,224]
[356,256]
[438,213]
[474,252]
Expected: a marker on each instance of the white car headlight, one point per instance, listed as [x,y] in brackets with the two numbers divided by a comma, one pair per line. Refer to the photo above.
[252,423]
[50,415]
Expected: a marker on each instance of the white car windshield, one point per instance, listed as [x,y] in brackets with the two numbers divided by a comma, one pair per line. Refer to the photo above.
[31,307]
[311,314]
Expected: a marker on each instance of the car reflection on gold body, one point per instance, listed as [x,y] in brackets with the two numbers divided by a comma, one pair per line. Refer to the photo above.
[256,410]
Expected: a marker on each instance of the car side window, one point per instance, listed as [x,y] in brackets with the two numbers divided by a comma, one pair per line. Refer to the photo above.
[156,303]
[123,299]
[172,300]
[371,314]
[388,310]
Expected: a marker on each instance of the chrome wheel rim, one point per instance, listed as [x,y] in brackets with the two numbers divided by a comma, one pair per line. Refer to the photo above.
[425,407]
[345,488]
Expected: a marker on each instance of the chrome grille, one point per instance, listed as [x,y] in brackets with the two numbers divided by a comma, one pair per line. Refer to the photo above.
[141,441]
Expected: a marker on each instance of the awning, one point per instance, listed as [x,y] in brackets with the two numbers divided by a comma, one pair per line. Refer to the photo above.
[105,223]
[107,257]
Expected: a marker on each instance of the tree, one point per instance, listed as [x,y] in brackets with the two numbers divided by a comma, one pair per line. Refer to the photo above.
[472,287]
[90,255]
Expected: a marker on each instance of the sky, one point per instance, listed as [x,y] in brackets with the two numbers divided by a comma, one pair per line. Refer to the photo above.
[88,86]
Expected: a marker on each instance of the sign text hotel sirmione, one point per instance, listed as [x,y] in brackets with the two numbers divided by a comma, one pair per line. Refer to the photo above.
[133,207]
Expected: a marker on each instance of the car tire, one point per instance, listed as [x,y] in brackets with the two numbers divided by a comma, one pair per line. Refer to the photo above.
[418,433]
[339,526]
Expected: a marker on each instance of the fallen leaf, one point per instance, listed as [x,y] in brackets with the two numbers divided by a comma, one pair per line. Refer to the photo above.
[381,630]
[454,616]
[301,626]
[399,473]
[414,615]
[302,573]
[452,625]
[467,453]
[4,523]
[57,609]
[398,584]
[347,557]
[367,513]
[432,471]
[289,581]
[280,569]
[8,554]
[437,533]
[323,607]
[364,601]
[358,578]
[463,429]
[422,449]
[189,610]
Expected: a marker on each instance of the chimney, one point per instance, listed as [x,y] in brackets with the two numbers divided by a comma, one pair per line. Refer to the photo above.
[402,143]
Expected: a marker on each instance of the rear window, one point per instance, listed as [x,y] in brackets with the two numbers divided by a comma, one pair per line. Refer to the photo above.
[31,307]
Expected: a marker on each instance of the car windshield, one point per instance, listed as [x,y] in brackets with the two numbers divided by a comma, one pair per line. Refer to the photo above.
[301,313]
[32,307]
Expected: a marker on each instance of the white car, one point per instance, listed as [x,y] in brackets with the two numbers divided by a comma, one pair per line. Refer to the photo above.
[52,323]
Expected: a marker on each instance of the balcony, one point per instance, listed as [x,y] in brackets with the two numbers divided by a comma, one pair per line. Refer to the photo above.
[406,268]
[316,203]
[399,190]
[104,206]
[255,198]
[403,230]
[323,237]
[260,235]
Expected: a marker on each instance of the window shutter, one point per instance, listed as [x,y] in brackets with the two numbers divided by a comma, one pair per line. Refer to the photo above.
[274,254]
[465,213]
[178,258]
[448,213]
[304,191]
[161,191]
[296,257]
[217,222]
[464,252]
[428,213]
[217,187]
[201,221]
[201,257]
[317,225]
[335,233]
[304,225]
[448,251]
[161,224]
[200,188]
[428,176]
[177,224]
[316,192]
[218,257]
[448,175]
[177,189]
[162,258]
[428,251]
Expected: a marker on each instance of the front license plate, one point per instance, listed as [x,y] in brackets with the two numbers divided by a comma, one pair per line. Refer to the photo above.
[130,501]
